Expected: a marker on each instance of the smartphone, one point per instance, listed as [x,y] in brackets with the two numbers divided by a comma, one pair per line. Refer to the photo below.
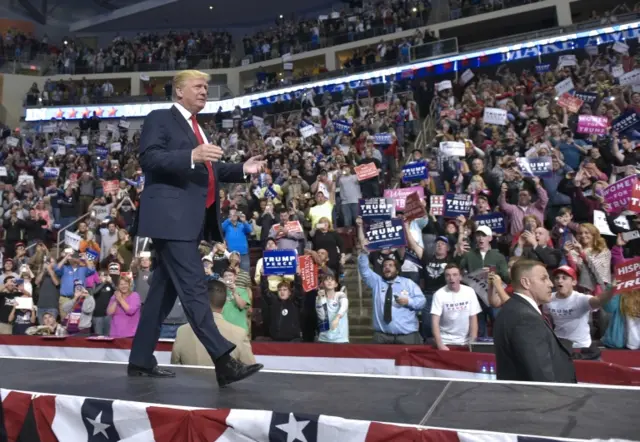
[492,269]
[630,236]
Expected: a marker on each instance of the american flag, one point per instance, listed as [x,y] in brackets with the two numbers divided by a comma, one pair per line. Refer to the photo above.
[44,418]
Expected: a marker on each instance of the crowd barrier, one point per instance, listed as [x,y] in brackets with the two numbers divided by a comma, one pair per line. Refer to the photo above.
[618,367]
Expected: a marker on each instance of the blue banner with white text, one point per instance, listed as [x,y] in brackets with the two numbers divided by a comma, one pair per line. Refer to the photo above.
[280,262]
[385,235]
[495,221]
[415,172]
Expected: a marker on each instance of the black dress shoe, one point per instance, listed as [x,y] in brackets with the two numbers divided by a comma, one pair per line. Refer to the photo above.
[234,371]
[155,372]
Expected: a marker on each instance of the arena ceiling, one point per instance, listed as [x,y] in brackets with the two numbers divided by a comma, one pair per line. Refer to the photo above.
[126,15]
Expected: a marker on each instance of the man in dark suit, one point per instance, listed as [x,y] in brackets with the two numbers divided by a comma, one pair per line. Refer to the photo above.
[178,208]
[526,347]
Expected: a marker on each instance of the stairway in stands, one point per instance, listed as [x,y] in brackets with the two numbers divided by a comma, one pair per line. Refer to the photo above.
[360,309]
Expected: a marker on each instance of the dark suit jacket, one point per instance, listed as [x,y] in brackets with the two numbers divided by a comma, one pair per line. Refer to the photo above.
[172,204]
[549,256]
[526,347]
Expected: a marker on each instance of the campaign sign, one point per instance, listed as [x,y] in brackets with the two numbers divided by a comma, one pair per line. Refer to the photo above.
[542,68]
[570,103]
[626,121]
[495,221]
[280,262]
[535,166]
[51,172]
[400,195]
[342,126]
[38,162]
[627,275]
[246,124]
[494,115]
[436,203]
[382,138]
[591,124]
[619,193]
[415,172]
[385,235]
[456,204]
[587,97]
[92,255]
[634,201]
[452,149]
[366,171]
[82,150]
[376,209]
[102,151]
[413,208]
[110,187]
[382,107]
[308,273]
[291,226]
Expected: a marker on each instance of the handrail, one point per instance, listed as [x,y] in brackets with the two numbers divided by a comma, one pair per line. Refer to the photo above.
[65,228]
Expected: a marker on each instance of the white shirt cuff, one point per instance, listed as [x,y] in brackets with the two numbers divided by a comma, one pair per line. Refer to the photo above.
[192,165]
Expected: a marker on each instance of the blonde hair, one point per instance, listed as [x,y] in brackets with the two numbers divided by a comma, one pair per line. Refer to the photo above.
[599,244]
[182,77]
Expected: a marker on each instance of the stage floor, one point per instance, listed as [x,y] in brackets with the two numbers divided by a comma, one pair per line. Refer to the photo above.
[586,412]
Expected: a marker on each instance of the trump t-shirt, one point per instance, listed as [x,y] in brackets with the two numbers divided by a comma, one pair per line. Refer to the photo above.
[571,318]
[454,309]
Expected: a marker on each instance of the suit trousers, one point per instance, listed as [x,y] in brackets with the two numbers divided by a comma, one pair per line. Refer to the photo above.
[178,272]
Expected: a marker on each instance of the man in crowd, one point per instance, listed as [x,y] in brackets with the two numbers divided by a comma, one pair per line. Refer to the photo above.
[188,350]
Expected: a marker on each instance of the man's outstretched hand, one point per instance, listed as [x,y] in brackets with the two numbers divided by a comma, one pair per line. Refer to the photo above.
[206,152]
[254,165]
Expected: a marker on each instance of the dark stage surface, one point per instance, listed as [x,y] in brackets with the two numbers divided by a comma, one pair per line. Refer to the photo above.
[542,410]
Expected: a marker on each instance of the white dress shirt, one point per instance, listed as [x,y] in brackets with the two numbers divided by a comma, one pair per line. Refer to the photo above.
[187,116]
[530,301]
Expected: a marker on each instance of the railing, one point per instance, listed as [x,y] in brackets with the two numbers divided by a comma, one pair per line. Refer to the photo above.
[65,228]
[553,32]
[432,49]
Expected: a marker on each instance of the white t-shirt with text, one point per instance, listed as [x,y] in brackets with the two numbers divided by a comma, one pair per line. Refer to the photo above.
[454,309]
[571,318]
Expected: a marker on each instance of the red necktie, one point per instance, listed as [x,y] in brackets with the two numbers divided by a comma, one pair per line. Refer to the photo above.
[211,189]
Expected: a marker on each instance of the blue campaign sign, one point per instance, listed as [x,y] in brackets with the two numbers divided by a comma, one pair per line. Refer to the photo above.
[82,150]
[385,235]
[270,193]
[102,151]
[542,68]
[495,221]
[247,123]
[92,255]
[37,162]
[51,172]
[456,204]
[587,97]
[376,209]
[382,138]
[535,166]
[415,172]
[280,262]
[625,122]
[342,126]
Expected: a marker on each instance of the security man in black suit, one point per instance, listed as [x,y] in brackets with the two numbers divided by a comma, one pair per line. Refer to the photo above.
[526,347]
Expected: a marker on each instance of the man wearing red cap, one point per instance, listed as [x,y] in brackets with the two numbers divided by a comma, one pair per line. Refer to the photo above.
[570,311]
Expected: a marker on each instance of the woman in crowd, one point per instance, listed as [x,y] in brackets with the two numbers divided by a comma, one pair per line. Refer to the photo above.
[591,258]
[332,306]
[124,309]
[125,248]
[242,277]
[79,311]
[324,237]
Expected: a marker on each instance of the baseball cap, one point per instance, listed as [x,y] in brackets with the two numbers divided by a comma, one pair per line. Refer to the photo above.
[442,238]
[484,229]
[567,271]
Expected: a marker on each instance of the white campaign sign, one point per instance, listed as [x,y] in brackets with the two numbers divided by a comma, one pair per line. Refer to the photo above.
[466,76]
[344,110]
[564,86]
[258,121]
[308,131]
[111,127]
[315,112]
[493,115]
[632,77]
[124,124]
[444,85]
[452,149]
[70,141]
[12,141]
[116,147]
[72,240]
[617,71]
[600,221]
[227,124]
[24,178]
[567,60]
[84,140]
[62,150]
[3,171]
[621,48]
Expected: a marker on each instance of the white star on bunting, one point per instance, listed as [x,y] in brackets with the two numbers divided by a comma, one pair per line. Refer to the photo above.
[98,426]
[294,429]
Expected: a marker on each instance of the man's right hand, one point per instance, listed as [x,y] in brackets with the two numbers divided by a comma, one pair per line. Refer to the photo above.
[206,152]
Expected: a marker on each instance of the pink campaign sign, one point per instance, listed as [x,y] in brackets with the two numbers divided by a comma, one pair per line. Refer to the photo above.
[617,195]
[400,195]
[590,124]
